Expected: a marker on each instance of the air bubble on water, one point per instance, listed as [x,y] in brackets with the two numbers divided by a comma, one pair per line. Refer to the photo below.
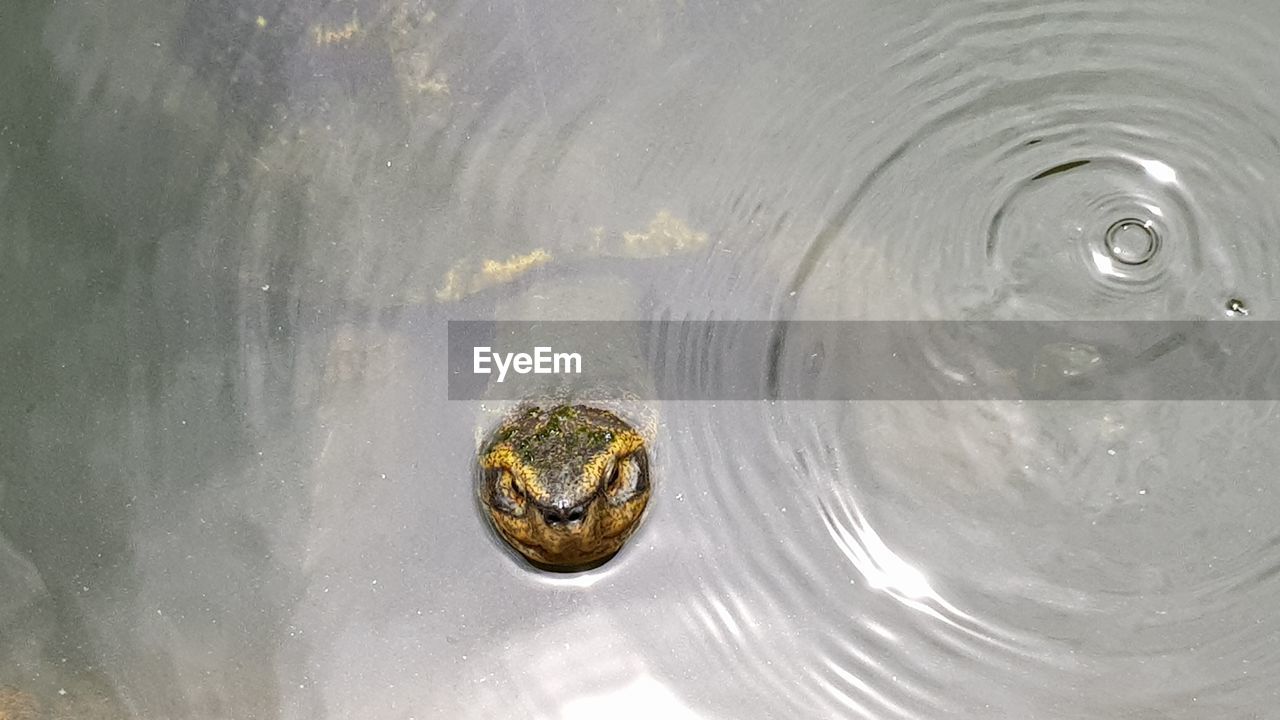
[1132,242]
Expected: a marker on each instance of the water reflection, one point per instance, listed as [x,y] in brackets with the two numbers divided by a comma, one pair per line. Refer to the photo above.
[642,698]
[880,567]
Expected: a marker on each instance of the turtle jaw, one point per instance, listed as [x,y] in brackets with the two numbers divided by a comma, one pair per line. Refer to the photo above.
[575,546]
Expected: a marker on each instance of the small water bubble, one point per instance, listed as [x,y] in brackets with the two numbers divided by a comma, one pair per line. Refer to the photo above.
[1132,242]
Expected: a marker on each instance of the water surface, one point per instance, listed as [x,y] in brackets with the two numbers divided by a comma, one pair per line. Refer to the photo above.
[231,483]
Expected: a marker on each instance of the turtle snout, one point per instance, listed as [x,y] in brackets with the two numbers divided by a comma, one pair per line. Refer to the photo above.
[565,517]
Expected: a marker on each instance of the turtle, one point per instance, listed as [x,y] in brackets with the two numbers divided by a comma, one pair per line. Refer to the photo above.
[563,478]
[565,486]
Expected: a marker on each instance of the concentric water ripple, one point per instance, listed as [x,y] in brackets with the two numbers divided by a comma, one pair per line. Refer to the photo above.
[1072,543]
[1063,160]
[1013,152]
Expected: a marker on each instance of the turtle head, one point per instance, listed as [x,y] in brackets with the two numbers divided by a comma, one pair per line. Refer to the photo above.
[564,486]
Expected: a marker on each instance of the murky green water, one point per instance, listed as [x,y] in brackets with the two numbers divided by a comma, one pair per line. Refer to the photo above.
[232,235]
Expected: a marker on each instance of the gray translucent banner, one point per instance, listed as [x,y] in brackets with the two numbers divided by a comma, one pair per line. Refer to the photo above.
[936,360]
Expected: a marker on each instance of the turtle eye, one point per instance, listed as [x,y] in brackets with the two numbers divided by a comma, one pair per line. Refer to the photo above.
[506,496]
[626,477]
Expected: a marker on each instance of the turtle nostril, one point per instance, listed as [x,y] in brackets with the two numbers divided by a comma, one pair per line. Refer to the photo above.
[564,516]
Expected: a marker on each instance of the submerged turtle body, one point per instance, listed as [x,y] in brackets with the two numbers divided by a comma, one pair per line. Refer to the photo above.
[353,143]
[565,485]
[17,705]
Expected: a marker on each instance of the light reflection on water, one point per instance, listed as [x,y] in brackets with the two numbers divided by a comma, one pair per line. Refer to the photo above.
[234,232]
